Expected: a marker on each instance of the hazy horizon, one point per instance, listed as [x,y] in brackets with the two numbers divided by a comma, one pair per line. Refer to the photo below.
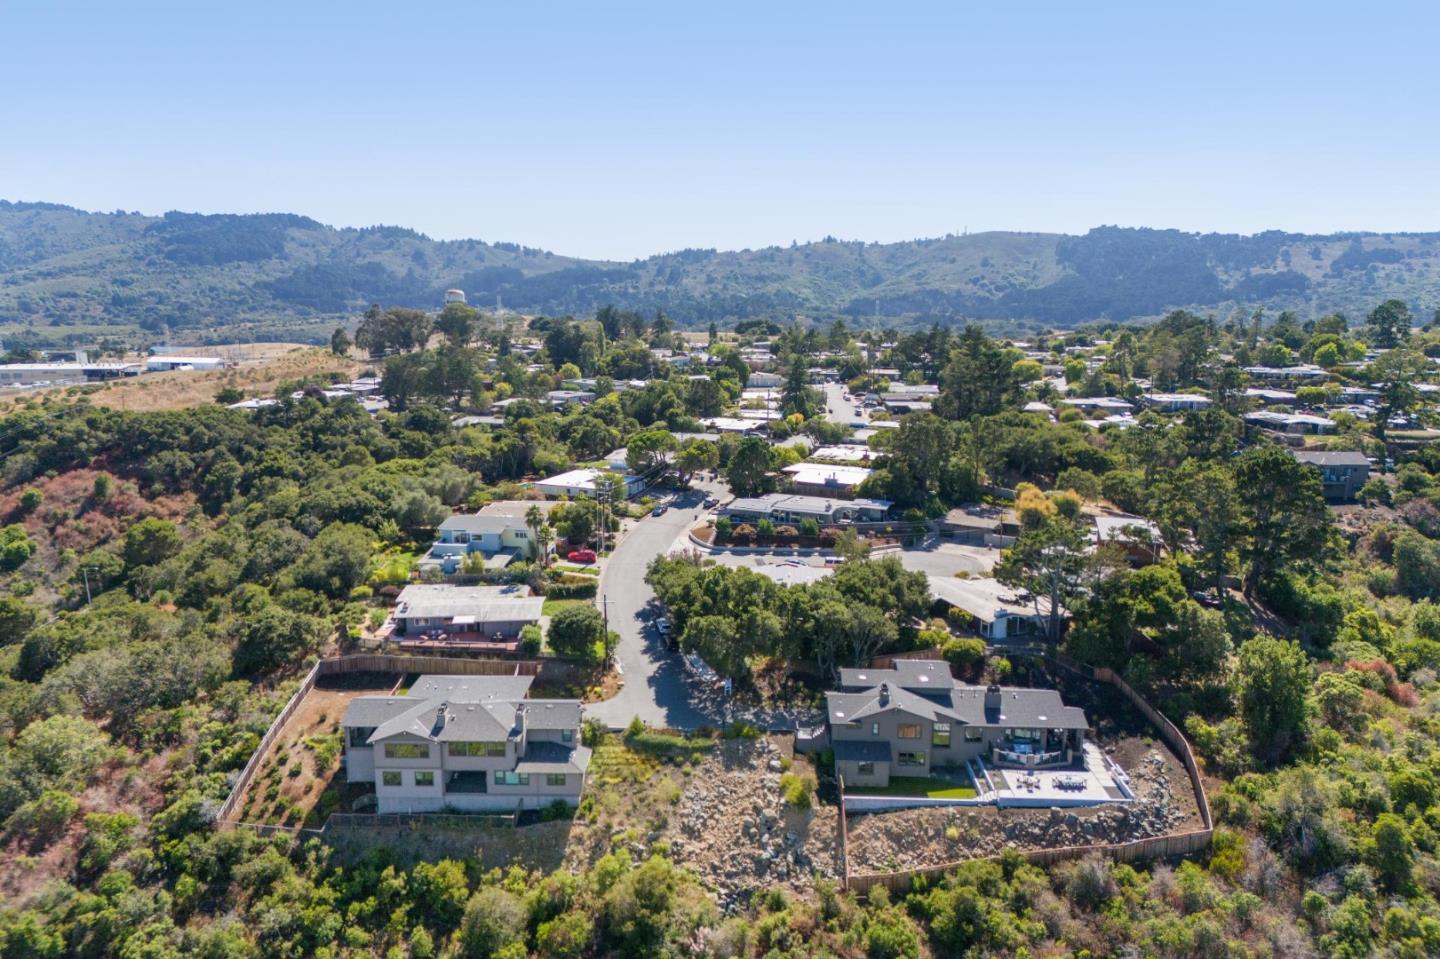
[618,134]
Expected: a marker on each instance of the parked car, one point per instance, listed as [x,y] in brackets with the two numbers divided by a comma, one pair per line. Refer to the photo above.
[659,510]
[581,556]
[834,560]
[711,502]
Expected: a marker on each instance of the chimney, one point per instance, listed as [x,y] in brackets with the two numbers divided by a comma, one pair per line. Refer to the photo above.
[992,698]
[520,719]
[884,694]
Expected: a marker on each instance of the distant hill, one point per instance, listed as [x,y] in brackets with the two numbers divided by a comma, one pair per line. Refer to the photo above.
[71,274]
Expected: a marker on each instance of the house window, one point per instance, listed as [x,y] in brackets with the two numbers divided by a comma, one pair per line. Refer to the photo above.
[503,778]
[567,735]
[973,734]
[864,769]
[407,751]
[874,729]
[911,759]
[478,749]
[520,534]
[940,735]
[390,779]
[424,778]
[554,779]
[908,731]
[360,736]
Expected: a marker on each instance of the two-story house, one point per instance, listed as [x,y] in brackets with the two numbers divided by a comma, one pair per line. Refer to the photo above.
[499,538]
[915,717]
[471,743]
[1342,472]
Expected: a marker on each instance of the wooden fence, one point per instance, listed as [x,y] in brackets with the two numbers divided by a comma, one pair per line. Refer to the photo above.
[227,808]
[844,837]
[380,663]
[1155,847]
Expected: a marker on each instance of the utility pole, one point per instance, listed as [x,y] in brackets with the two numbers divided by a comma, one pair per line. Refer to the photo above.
[85,571]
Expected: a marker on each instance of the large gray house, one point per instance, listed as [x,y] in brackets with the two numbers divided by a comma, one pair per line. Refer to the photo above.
[471,743]
[916,717]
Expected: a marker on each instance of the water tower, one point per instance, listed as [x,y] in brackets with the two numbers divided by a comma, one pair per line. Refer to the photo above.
[454,296]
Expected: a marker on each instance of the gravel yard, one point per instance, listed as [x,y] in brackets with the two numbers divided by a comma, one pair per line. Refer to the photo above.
[913,838]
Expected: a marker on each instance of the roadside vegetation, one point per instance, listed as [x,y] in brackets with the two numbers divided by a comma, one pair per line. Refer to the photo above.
[166,577]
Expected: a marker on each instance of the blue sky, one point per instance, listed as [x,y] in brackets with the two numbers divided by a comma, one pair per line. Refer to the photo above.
[620,130]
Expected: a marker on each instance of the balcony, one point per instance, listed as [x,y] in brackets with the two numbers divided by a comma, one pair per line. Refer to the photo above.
[467,782]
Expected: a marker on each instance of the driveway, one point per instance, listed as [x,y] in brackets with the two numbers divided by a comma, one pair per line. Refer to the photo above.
[655,687]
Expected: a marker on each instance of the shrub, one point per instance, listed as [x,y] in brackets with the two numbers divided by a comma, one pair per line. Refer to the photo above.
[965,653]
[797,788]
[809,527]
[584,590]
[530,640]
[723,527]
[43,819]
[743,534]
[30,500]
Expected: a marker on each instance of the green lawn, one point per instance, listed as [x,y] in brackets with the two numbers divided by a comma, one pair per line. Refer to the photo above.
[927,786]
[553,606]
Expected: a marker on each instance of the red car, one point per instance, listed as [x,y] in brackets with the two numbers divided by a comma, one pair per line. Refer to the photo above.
[582,556]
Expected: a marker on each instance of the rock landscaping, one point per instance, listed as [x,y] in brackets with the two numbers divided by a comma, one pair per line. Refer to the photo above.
[736,831]
[917,838]
[722,816]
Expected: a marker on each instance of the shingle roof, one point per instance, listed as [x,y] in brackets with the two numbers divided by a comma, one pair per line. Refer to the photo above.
[475,709]
[547,757]
[1040,708]
[862,750]
[552,713]
[374,710]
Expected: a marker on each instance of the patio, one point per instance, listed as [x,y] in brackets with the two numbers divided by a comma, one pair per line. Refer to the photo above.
[1096,780]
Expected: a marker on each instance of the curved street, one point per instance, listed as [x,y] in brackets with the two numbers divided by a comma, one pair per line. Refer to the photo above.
[655,682]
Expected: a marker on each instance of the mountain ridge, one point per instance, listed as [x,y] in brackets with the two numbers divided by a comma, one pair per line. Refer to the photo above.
[208,276]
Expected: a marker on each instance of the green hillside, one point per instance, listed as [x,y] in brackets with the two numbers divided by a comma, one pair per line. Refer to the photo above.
[67,275]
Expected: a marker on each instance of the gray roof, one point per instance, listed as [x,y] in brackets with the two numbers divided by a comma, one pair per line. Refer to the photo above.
[1331,458]
[368,711]
[548,757]
[1041,708]
[552,713]
[477,523]
[470,689]
[913,674]
[947,700]
[444,708]
[862,750]
[516,508]
[800,504]
[480,604]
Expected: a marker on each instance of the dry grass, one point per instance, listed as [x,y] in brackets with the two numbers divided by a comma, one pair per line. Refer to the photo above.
[261,368]
[297,769]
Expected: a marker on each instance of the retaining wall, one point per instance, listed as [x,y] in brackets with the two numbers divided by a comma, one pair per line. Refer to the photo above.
[1156,847]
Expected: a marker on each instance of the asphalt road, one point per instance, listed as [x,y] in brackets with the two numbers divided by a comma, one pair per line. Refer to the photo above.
[656,687]
[838,408]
